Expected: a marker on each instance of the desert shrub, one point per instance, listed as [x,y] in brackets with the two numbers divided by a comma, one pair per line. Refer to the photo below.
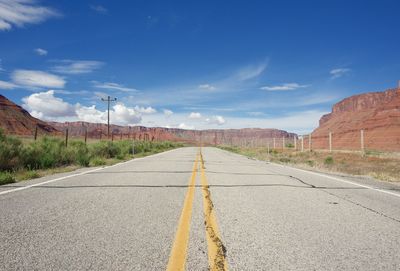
[105,149]
[284,160]
[78,153]
[328,160]
[10,152]
[6,177]
[45,153]
[311,163]
[97,161]
[124,148]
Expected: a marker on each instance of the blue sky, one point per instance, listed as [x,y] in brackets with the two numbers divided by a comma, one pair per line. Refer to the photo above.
[204,64]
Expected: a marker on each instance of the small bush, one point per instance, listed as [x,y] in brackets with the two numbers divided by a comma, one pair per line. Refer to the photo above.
[311,163]
[328,161]
[97,161]
[79,153]
[284,160]
[6,177]
[10,152]
[104,149]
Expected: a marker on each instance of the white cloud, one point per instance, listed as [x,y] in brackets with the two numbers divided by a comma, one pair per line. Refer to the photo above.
[21,12]
[337,73]
[256,114]
[167,113]
[207,87]
[250,72]
[77,66]
[46,105]
[40,51]
[99,9]
[67,92]
[186,127]
[301,122]
[145,110]
[125,115]
[284,87]
[31,78]
[108,85]
[119,114]
[7,85]
[218,120]
[90,114]
[194,115]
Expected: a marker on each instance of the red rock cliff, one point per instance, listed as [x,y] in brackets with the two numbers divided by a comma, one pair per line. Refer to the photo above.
[377,113]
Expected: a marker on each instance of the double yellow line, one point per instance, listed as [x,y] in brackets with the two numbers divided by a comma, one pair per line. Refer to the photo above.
[216,249]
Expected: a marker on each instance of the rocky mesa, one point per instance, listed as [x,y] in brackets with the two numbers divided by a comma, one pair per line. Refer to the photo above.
[373,118]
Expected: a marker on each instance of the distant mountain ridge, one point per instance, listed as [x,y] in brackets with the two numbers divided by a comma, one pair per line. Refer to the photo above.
[17,121]
[255,136]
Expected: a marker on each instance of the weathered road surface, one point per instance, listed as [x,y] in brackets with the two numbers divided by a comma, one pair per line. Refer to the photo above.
[158,212]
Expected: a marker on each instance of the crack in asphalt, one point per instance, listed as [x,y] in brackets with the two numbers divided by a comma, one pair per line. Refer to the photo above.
[219,261]
[345,199]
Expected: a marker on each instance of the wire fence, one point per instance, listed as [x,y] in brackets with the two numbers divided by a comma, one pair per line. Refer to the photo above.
[351,140]
[354,140]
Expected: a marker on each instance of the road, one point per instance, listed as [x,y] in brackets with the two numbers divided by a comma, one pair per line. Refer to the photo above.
[192,210]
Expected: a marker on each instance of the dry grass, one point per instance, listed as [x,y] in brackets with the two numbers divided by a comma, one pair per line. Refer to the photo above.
[382,166]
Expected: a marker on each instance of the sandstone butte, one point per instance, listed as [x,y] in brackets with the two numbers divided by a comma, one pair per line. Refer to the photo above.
[376,113]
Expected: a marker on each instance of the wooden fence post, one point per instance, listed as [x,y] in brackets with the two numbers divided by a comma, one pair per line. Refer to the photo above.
[36,130]
[66,137]
[362,141]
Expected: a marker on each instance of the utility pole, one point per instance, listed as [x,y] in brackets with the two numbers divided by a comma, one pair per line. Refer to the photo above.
[108,100]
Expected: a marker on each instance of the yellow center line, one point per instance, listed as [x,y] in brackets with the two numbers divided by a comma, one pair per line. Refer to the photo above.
[216,249]
[178,255]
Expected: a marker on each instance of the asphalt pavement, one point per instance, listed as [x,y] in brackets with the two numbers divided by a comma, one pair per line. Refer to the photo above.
[198,210]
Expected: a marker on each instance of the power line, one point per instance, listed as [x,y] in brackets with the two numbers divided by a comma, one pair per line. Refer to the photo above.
[108,100]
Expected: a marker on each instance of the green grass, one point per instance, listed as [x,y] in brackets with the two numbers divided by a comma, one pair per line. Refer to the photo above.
[6,177]
[23,159]
[28,175]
